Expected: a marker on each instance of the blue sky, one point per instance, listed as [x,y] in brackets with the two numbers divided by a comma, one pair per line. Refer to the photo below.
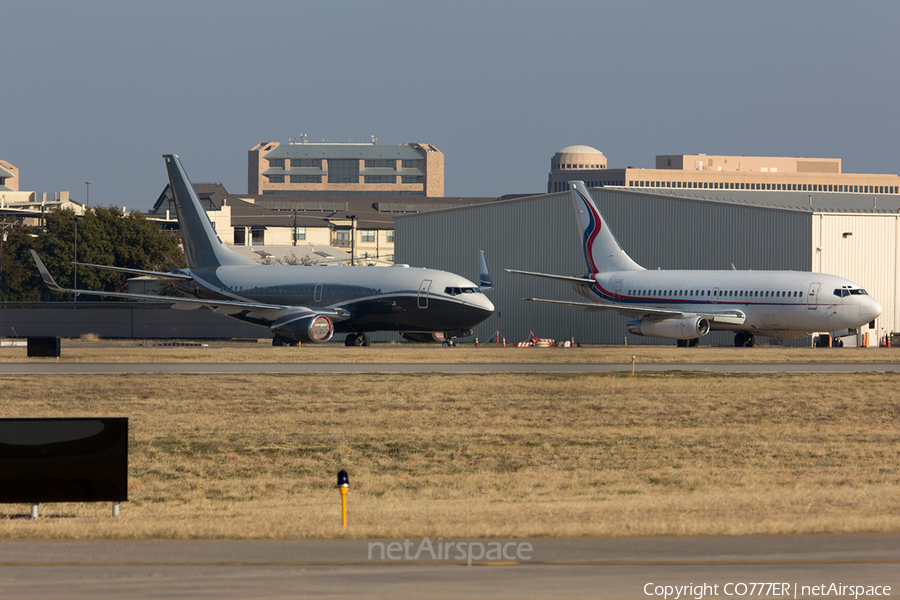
[99,90]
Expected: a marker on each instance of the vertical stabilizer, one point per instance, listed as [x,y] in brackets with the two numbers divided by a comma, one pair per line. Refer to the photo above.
[601,249]
[202,247]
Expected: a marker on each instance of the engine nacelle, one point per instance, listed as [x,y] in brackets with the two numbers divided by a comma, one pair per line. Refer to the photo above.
[673,329]
[317,329]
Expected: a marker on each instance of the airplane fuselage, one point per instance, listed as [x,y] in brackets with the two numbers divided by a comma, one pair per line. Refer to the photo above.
[781,304]
[397,298]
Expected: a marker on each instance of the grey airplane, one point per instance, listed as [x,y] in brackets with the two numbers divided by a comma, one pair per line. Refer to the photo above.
[308,303]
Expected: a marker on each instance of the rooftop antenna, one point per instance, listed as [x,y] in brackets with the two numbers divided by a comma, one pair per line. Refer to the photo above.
[302,138]
[374,139]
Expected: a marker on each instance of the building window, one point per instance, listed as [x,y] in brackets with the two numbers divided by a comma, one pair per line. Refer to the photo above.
[390,236]
[277,163]
[258,234]
[409,179]
[381,179]
[343,171]
[315,163]
[240,236]
[342,239]
[414,164]
[381,164]
[276,178]
[306,179]
[367,235]
[300,234]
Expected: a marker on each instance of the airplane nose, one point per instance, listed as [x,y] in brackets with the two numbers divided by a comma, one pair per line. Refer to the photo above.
[484,308]
[869,309]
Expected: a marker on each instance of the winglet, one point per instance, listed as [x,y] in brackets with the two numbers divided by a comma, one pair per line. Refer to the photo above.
[485,283]
[45,274]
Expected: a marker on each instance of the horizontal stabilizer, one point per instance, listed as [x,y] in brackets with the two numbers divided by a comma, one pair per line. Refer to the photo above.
[569,278]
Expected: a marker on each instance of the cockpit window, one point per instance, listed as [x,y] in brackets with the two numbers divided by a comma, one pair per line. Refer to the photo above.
[456,291]
[844,292]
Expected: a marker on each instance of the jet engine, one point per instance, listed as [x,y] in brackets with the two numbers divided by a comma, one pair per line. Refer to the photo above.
[316,328]
[673,329]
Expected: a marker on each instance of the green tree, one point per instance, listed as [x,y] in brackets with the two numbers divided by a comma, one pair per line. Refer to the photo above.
[106,236]
[18,281]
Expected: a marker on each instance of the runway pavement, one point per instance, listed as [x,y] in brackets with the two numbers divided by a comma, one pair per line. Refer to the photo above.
[84,368]
[583,568]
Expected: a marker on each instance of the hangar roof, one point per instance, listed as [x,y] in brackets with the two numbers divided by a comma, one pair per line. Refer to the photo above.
[797,201]
[271,210]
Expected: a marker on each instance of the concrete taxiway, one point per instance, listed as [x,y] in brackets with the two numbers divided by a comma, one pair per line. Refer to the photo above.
[584,568]
[86,368]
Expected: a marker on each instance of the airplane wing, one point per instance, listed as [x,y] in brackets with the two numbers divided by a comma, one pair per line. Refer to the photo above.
[269,311]
[734,317]
[156,274]
[569,278]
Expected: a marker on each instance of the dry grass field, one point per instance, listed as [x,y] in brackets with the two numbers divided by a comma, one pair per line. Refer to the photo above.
[245,456]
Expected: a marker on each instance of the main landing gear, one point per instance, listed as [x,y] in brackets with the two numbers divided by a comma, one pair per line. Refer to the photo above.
[356,339]
[743,339]
[691,343]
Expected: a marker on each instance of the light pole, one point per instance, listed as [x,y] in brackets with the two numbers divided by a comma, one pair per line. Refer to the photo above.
[88,197]
[2,241]
[352,240]
[76,218]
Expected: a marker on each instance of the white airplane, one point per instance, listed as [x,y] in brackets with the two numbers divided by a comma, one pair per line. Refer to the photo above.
[686,305]
[304,303]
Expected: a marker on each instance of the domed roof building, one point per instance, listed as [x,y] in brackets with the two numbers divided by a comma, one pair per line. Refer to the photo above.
[571,163]
[578,157]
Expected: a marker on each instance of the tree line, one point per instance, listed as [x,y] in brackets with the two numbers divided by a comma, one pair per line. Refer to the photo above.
[106,236]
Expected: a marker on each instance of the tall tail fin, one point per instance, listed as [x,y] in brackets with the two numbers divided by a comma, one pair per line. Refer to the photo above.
[601,249]
[202,247]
